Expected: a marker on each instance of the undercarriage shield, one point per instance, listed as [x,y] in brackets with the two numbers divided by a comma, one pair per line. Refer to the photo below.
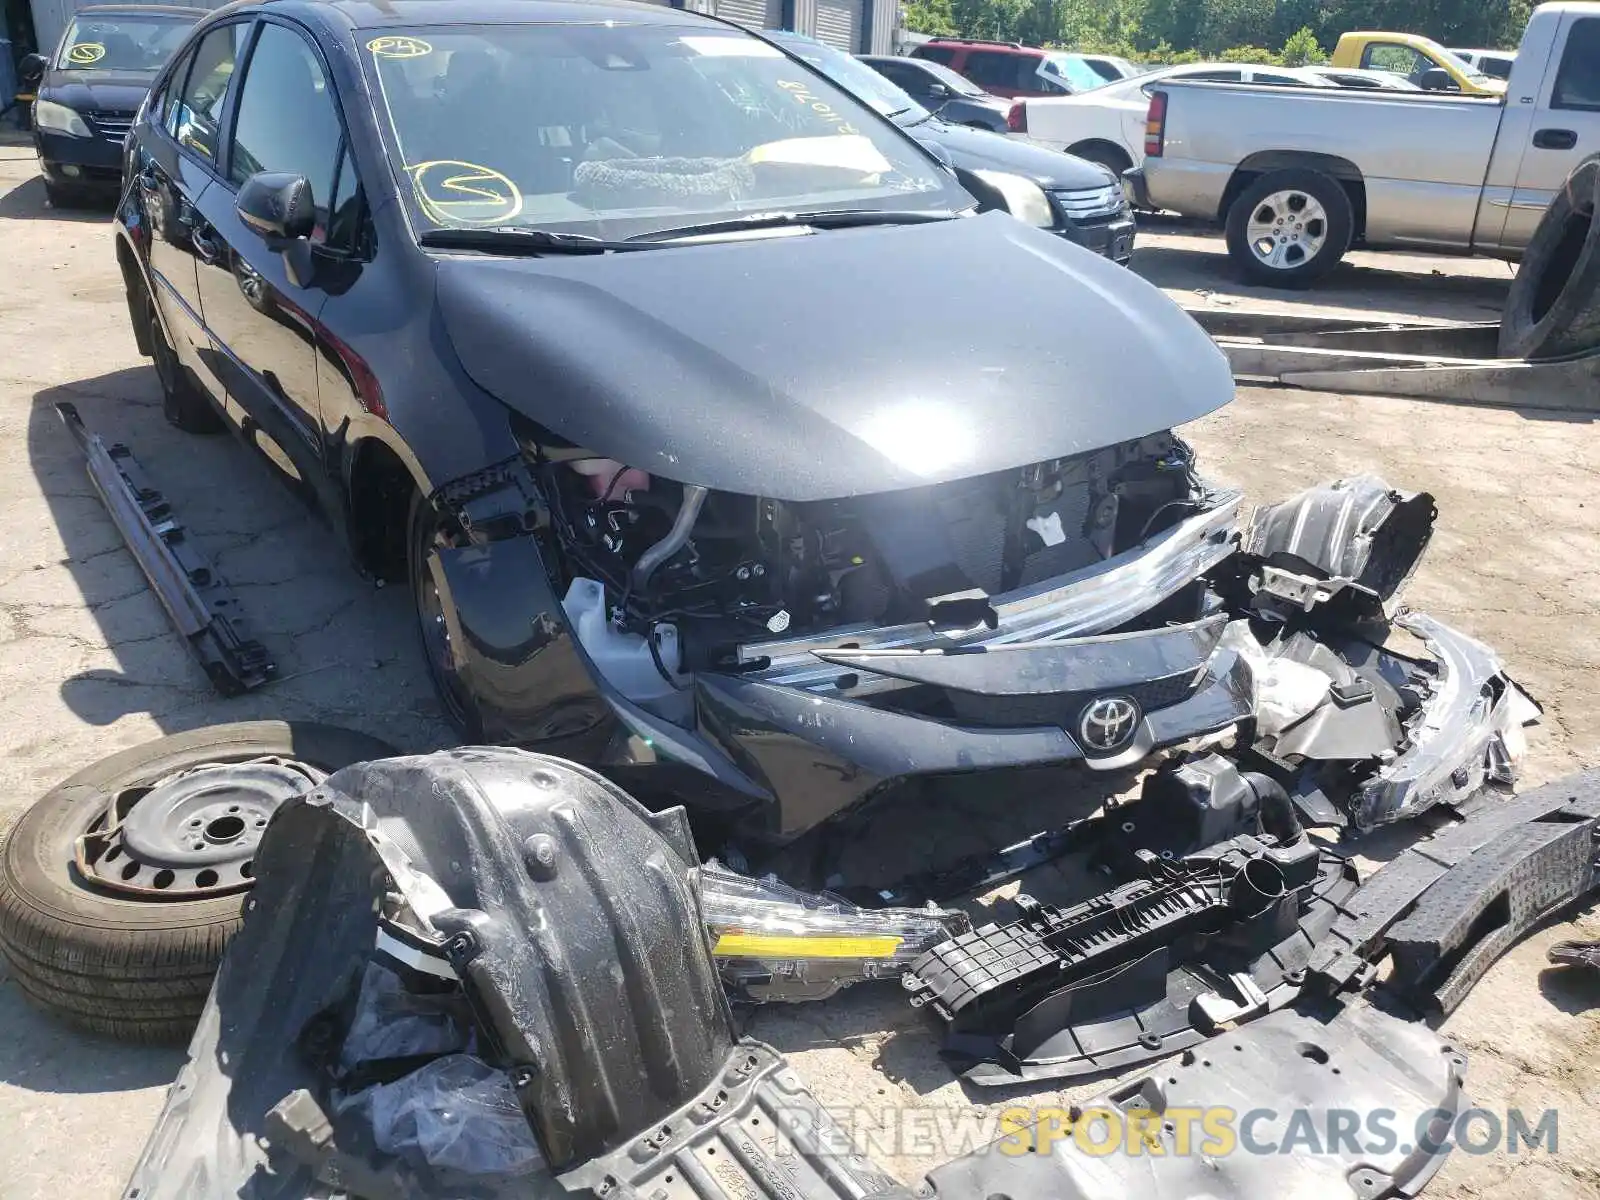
[1307,1071]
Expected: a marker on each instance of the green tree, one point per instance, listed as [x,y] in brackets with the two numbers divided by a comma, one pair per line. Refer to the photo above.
[1302,49]
[1225,23]
[933,17]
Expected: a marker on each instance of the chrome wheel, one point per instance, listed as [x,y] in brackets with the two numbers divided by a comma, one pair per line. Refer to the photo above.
[1287,229]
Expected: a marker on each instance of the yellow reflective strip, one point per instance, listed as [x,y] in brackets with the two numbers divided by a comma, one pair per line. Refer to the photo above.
[763,945]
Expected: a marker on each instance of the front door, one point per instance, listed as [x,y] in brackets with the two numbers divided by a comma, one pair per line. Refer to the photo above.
[1563,130]
[261,313]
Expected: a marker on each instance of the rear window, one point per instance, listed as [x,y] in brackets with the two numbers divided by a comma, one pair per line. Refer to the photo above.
[1578,81]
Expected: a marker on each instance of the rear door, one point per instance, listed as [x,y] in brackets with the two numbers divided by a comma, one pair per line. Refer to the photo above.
[261,314]
[172,167]
[1564,130]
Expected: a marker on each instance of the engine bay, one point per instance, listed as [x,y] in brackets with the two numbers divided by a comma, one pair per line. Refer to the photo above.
[725,569]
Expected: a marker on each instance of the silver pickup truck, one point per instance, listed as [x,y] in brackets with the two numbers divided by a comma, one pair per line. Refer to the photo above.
[1299,176]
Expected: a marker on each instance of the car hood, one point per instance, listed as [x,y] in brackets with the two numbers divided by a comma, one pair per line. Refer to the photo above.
[847,362]
[980,150]
[97,91]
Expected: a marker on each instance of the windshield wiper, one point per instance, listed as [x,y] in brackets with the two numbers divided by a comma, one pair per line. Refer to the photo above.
[824,219]
[513,239]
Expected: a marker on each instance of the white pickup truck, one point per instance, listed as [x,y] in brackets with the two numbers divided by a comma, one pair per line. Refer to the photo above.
[1299,176]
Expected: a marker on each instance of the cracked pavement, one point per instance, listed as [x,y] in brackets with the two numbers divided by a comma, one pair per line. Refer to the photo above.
[89,665]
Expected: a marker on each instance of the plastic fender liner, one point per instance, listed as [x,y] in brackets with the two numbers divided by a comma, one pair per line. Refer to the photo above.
[1354,535]
[1359,937]
[566,909]
[1312,1074]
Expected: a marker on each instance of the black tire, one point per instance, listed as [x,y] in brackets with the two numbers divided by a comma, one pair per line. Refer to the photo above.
[139,970]
[182,403]
[1332,237]
[432,626]
[1553,308]
[61,196]
[1109,157]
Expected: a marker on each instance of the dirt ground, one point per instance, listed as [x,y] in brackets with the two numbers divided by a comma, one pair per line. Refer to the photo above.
[89,664]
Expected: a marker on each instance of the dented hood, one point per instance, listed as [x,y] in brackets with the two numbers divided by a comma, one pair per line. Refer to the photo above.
[845,362]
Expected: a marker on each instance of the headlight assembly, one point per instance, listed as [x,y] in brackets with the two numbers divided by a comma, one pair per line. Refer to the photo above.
[58,118]
[1024,199]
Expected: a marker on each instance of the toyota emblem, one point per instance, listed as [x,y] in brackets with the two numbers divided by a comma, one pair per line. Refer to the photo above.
[1108,724]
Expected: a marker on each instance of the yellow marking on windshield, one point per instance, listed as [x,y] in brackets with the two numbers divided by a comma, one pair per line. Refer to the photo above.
[445,187]
[398,46]
[84,53]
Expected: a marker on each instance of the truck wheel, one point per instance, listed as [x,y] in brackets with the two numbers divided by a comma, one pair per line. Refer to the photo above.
[1553,308]
[117,926]
[1290,228]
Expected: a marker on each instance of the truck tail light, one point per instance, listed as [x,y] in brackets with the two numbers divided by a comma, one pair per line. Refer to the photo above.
[1155,125]
[1017,118]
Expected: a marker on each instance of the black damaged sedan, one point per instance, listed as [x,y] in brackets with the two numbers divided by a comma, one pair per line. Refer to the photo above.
[607,328]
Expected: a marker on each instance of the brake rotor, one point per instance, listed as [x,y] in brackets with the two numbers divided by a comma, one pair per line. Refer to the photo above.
[193,833]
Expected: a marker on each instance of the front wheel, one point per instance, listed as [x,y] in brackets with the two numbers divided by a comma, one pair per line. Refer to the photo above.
[1290,228]
[181,402]
[433,623]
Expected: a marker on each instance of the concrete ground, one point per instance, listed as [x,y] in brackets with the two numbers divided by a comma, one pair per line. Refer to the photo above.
[88,663]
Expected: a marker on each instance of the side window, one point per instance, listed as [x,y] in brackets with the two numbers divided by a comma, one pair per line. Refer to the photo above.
[1391,56]
[1271,77]
[938,54]
[908,77]
[988,69]
[1214,76]
[286,119]
[197,116]
[344,208]
[1578,81]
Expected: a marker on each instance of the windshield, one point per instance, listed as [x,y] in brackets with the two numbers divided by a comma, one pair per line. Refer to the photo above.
[1449,58]
[618,131]
[959,84]
[1072,70]
[136,43]
[856,77]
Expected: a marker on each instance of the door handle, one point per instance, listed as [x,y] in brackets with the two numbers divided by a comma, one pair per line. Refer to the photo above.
[1555,139]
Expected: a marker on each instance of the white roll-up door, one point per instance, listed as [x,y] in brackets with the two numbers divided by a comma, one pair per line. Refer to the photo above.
[839,24]
[755,14]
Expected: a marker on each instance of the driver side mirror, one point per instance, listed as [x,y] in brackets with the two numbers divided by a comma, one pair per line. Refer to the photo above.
[277,205]
[31,69]
[938,91]
[1437,79]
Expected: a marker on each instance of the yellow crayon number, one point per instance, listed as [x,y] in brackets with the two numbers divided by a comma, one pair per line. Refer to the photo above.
[398,46]
[450,192]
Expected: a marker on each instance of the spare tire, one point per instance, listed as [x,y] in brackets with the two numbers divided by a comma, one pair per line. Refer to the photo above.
[117,925]
[1554,306]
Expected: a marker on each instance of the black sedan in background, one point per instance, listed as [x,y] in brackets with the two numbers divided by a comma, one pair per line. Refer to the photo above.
[954,98]
[1082,201]
[89,90]
[698,359]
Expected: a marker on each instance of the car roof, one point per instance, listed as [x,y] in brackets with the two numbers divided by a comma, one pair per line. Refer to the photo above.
[138,10]
[367,14]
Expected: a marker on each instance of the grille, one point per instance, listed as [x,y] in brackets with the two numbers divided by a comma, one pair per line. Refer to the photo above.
[1092,204]
[113,125]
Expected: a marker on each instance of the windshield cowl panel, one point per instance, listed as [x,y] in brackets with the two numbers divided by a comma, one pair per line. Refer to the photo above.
[616,131]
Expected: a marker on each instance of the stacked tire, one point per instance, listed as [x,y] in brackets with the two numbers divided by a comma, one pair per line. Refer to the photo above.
[132,967]
[1553,309]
